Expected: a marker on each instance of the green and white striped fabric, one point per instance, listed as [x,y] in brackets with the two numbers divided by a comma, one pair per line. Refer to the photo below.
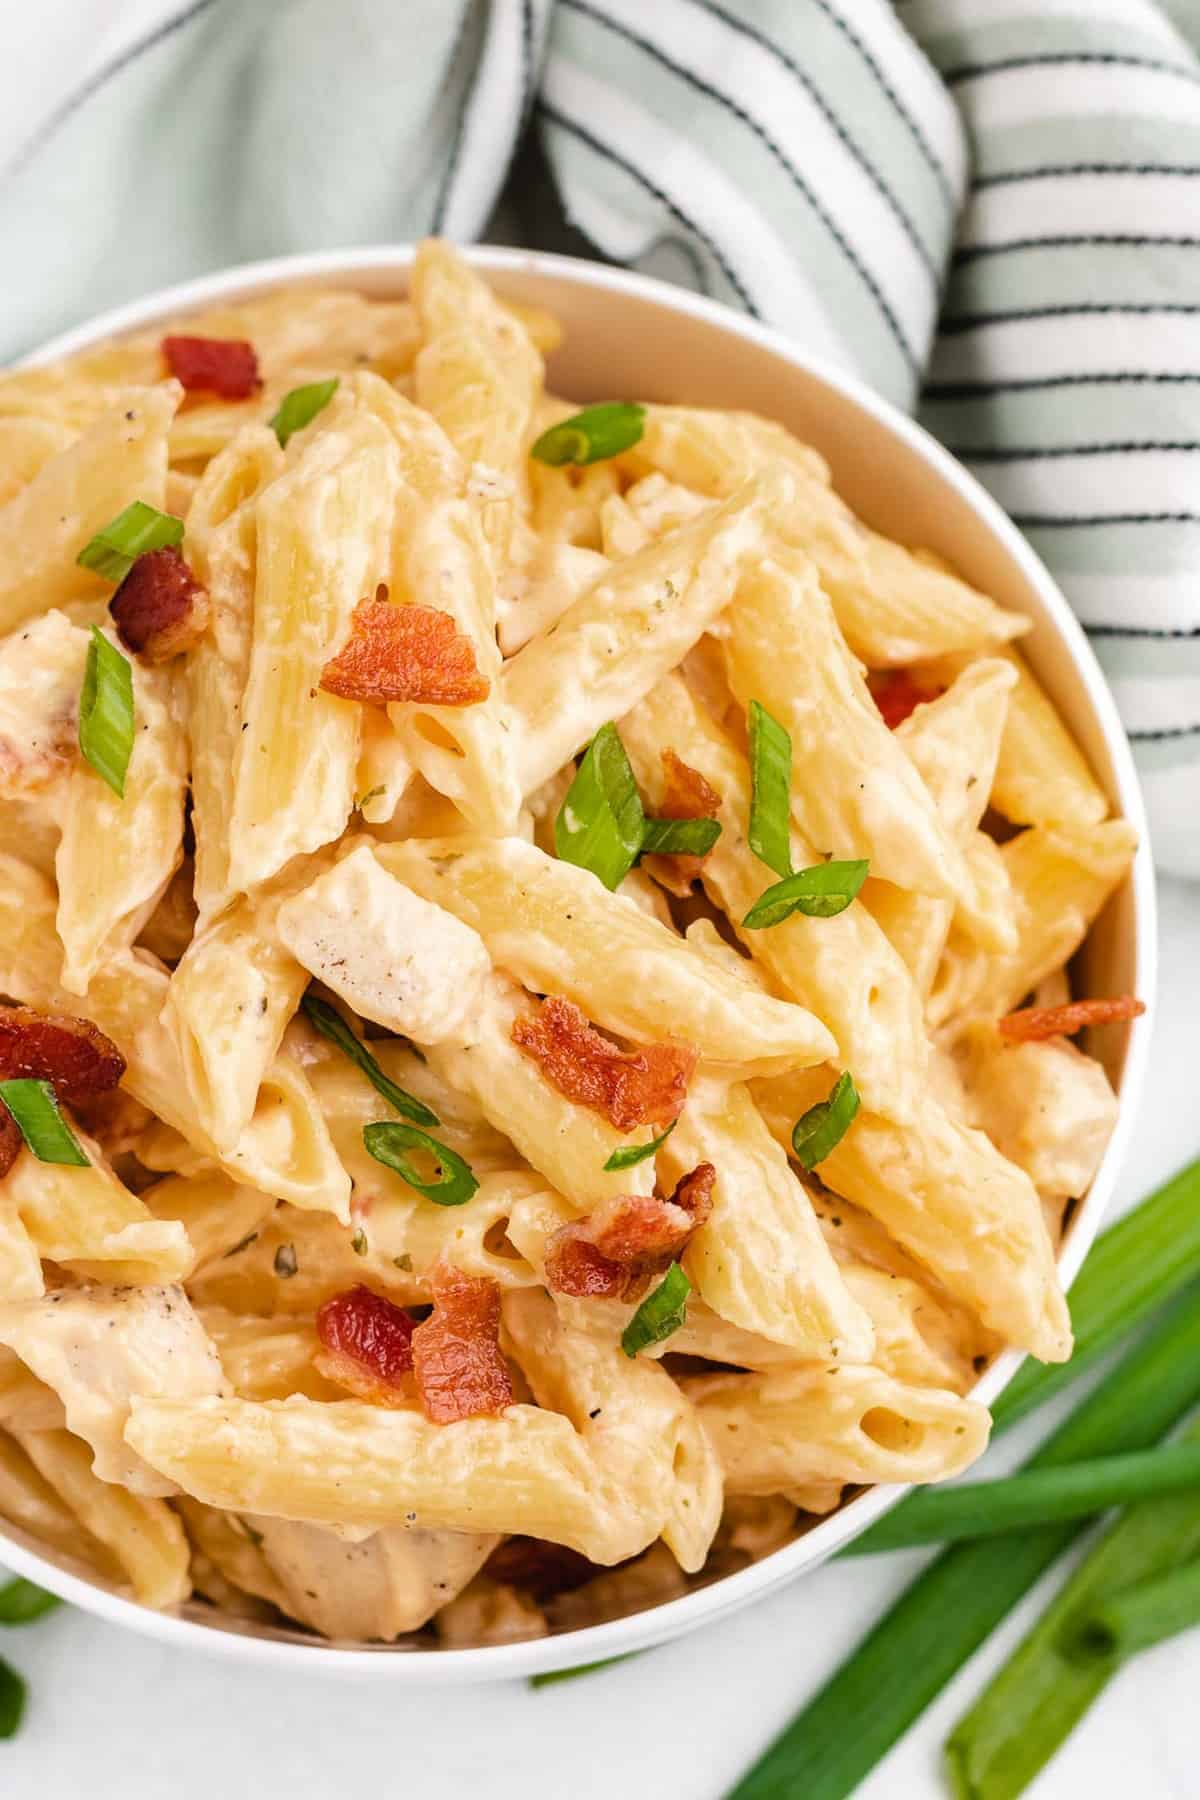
[990,209]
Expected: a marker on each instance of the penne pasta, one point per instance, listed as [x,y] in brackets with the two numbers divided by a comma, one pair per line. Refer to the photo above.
[322,544]
[855,792]
[629,629]
[760,1260]
[946,1195]
[893,607]
[559,930]
[122,457]
[143,1535]
[118,852]
[789,1427]
[842,969]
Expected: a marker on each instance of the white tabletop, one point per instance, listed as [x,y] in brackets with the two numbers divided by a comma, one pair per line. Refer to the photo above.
[116,1717]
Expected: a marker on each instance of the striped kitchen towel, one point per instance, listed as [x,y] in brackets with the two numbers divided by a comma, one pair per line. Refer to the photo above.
[990,209]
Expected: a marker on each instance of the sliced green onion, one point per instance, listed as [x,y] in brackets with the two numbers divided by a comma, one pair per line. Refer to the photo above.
[820,893]
[21,1602]
[771,790]
[12,1700]
[1142,1616]
[106,712]
[113,551]
[323,1018]
[957,1602]
[301,406]
[554,1675]
[629,1154]
[388,1144]
[822,1128]
[944,1515]
[600,823]
[679,837]
[660,1313]
[1053,1677]
[1138,1264]
[35,1109]
[591,435]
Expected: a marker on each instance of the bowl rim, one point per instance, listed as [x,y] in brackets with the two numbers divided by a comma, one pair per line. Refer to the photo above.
[655,1624]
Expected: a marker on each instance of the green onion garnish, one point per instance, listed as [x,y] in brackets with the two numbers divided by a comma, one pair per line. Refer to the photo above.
[660,1313]
[600,823]
[301,406]
[1134,1585]
[106,712]
[591,435]
[21,1602]
[113,551]
[388,1143]
[944,1515]
[679,837]
[629,1154]
[771,790]
[12,1700]
[323,1018]
[35,1109]
[822,1128]
[820,893]
[1141,1616]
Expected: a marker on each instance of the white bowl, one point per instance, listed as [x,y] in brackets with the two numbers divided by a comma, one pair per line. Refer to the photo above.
[630,337]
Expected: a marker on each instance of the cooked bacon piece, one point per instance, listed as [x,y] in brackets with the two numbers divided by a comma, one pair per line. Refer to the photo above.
[224,366]
[897,695]
[366,1346]
[628,1087]
[72,1054]
[1034,1023]
[460,1368]
[160,608]
[404,653]
[541,1568]
[10,1140]
[686,796]
[613,1250]
[574,1266]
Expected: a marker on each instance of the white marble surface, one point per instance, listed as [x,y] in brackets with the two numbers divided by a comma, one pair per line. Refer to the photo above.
[116,1717]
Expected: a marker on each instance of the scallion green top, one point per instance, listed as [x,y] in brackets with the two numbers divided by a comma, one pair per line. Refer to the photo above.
[592,435]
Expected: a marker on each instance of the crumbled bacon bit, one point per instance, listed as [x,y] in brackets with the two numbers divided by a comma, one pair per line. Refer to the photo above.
[224,366]
[541,1568]
[366,1346]
[1034,1023]
[574,1266]
[628,1087]
[160,608]
[897,695]
[404,653]
[460,1368]
[73,1054]
[613,1250]
[10,1140]
[687,795]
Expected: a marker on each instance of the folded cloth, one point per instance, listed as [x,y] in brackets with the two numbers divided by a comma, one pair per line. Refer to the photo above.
[1029,170]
